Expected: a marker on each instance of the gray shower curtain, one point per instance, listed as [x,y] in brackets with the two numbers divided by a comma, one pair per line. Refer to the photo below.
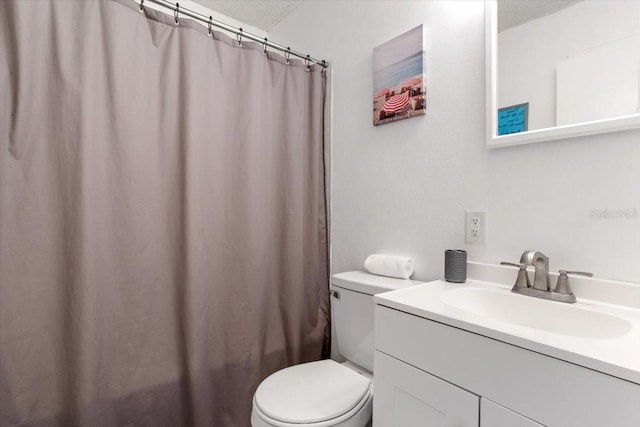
[162,218]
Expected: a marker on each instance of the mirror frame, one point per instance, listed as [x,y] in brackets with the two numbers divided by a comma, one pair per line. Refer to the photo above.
[538,135]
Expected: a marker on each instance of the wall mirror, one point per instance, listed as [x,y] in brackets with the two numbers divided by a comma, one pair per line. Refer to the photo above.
[559,69]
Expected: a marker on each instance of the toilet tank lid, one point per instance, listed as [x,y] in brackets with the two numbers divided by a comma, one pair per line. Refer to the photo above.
[361,281]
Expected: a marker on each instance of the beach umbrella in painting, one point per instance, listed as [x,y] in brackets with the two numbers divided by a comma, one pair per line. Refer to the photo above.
[381,92]
[396,103]
[412,82]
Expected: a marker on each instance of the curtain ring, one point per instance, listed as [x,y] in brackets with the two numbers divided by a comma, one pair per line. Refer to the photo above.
[142,6]
[210,24]
[239,37]
[287,55]
[175,14]
[307,62]
[264,46]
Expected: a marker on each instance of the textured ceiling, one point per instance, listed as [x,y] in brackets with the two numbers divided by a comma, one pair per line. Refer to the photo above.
[512,13]
[262,14]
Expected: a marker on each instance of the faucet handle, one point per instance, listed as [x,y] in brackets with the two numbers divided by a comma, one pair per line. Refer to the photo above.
[513,264]
[562,286]
[575,273]
[522,281]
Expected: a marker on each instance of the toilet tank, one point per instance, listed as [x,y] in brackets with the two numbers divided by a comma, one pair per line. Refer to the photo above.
[353,312]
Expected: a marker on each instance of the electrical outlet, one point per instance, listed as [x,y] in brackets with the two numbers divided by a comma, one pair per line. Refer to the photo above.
[475,226]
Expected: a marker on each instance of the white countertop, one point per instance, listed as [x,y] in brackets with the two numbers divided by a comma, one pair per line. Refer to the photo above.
[619,356]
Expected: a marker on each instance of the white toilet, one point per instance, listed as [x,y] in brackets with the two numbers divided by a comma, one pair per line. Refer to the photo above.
[328,393]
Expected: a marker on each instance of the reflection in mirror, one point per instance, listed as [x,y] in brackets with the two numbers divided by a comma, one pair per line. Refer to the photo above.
[563,63]
[571,61]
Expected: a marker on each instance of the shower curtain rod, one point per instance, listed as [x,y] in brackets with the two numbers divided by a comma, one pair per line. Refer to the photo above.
[240,34]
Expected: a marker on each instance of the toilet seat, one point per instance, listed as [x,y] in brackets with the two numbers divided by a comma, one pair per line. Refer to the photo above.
[314,394]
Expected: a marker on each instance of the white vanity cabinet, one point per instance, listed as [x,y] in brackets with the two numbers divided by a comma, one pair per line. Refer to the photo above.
[408,397]
[432,374]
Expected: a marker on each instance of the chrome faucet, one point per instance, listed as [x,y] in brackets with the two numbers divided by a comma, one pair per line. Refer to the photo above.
[541,287]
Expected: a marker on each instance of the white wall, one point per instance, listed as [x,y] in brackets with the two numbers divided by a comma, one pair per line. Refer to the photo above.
[528,55]
[403,187]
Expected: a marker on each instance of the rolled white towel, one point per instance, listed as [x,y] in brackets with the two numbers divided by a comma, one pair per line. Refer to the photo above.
[389,265]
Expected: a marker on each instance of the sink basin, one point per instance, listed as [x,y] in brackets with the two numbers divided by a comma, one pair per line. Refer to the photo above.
[560,318]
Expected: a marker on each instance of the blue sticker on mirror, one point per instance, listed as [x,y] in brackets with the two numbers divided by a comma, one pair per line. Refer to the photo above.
[513,119]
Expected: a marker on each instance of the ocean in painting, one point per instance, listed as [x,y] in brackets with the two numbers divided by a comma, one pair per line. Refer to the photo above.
[394,74]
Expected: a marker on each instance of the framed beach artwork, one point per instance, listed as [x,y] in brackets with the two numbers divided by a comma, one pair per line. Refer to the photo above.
[399,82]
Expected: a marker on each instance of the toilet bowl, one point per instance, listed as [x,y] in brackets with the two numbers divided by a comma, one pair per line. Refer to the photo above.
[314,394]
[327,393]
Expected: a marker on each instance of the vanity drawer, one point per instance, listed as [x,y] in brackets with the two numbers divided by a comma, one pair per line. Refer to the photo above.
[545,389]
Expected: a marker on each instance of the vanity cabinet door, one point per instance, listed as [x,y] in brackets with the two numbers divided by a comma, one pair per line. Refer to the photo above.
[405,396]
[494,415]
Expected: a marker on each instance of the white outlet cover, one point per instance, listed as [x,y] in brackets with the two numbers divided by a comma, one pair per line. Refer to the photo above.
[475,233]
